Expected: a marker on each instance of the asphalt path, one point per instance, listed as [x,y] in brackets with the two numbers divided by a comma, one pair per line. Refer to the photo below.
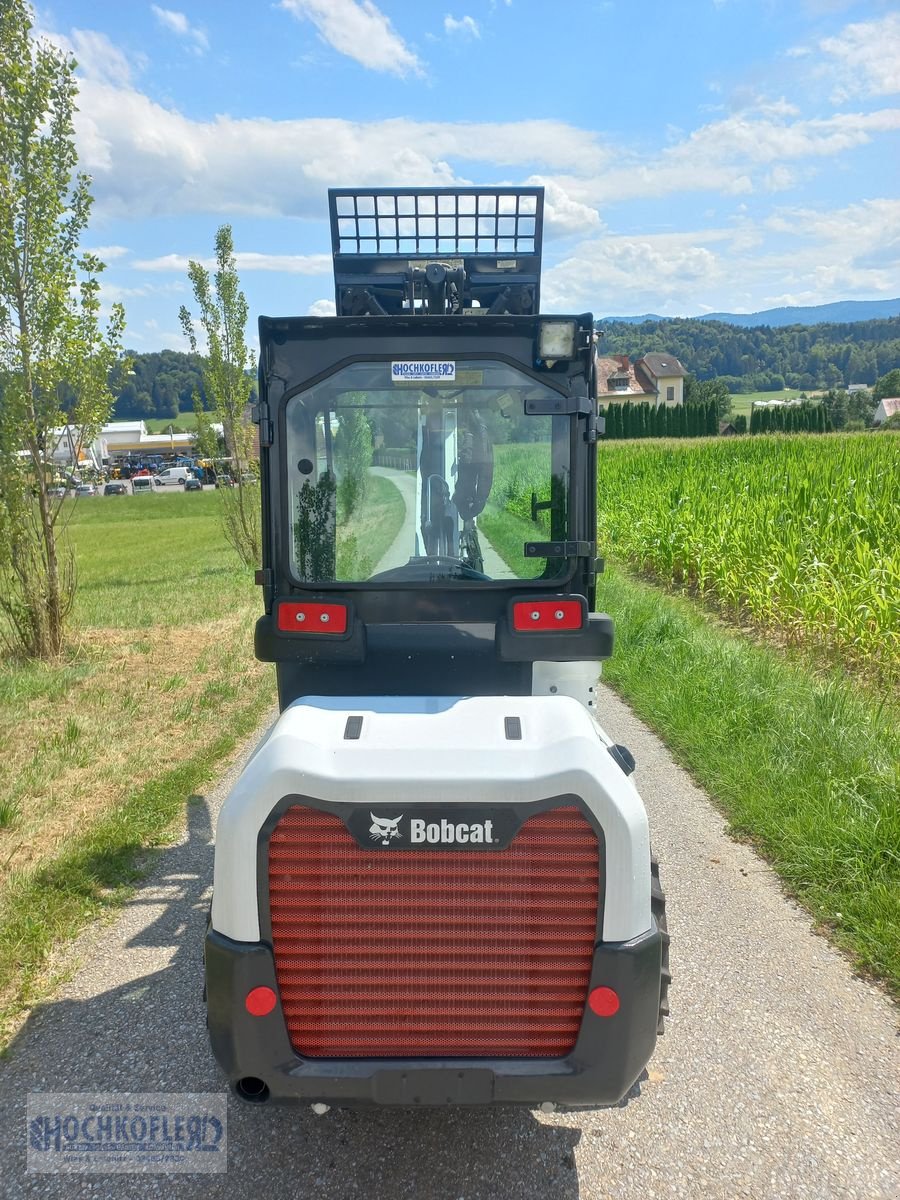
[778,1075]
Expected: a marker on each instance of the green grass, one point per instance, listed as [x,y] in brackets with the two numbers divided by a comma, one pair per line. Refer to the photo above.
[366,538]
[151,560]
[102,748]
[92,875]
[507,533]
[742,402]
[806,767]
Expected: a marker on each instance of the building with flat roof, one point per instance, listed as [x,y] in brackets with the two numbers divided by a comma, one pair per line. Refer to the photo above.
[116,441]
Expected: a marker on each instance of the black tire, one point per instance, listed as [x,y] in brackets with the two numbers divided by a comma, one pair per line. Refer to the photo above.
[658,909]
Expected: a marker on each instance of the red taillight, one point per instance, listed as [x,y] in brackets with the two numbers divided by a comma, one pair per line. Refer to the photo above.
[543,615]
[260,1001]
[603,1002]
[312,618]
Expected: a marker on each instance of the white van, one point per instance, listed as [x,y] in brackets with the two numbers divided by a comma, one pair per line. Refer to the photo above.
[173,476]
[141,484]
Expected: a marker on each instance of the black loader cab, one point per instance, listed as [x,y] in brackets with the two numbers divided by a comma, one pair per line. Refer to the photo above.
[427,457]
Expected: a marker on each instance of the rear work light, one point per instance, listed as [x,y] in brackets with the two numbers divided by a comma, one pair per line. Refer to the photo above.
[541,616]
[556,340]
[302,617]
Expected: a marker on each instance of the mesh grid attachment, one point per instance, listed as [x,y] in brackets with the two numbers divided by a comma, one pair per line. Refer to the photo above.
[424,222]
[419,953]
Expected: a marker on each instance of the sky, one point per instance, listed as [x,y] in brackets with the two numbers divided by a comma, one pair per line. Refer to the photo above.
[700,156]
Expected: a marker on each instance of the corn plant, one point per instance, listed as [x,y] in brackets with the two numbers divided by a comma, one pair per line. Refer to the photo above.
[800,534]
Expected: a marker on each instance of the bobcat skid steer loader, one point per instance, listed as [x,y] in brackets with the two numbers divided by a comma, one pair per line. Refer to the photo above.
[433,881]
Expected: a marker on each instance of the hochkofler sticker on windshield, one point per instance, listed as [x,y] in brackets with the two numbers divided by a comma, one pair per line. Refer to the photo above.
[429,371]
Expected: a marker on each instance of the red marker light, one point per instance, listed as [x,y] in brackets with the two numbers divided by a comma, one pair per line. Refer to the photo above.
[603,1002]
[544,616]
[260,1001]
[312,618]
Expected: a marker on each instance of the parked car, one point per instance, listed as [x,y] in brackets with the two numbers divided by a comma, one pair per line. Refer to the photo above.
[173,476]
[142,485]
[116,489]
[193,484]
[57,490]
[85,489]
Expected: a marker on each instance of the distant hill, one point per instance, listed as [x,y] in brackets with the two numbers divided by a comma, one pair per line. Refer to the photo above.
[630,320]
[841,312]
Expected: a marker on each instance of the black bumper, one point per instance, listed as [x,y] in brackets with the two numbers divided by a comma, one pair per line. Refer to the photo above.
[608,1056]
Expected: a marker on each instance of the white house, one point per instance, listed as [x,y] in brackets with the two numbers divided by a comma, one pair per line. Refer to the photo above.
[666,374]
[886,408]
[654,379]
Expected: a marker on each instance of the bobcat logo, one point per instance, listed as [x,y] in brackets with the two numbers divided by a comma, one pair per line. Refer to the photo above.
[383,829]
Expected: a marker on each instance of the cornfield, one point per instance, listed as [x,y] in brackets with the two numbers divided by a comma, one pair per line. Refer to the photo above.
[802,534]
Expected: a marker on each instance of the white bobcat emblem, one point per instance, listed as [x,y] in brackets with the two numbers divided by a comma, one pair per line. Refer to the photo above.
[383,829]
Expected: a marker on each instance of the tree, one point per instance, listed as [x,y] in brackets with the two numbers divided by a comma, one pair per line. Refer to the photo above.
[223,318]
[887,385]
[835,403]
[352,458]
[701,391]
[206,440]
[54,358]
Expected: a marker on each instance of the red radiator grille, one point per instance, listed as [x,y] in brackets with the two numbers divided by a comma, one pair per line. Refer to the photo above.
[412,953]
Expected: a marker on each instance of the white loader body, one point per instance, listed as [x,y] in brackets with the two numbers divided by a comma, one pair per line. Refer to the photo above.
[442,750]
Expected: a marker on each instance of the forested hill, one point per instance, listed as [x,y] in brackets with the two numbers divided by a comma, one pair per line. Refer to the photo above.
[763,358]
[161,385]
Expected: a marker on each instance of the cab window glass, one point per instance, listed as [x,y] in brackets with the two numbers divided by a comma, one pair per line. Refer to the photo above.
[391,480]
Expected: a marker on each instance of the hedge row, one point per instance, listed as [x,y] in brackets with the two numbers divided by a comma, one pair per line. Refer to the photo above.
[790,418]
[649,421]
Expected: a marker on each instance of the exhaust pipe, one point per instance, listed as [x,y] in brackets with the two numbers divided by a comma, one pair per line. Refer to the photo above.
[253,1090]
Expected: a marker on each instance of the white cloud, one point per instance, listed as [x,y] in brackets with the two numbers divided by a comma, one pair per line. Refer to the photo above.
[465,26]
[633,274]
[797,255]
[178,24]
[361,31]
[97,57]
[563,215]
[780,179]
[289,264]
[723,156]
[321,308]
[857,229]
[148,160]
[866,57]
[108,253]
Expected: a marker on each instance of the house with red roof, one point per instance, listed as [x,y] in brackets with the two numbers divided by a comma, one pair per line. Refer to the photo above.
[654,379]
